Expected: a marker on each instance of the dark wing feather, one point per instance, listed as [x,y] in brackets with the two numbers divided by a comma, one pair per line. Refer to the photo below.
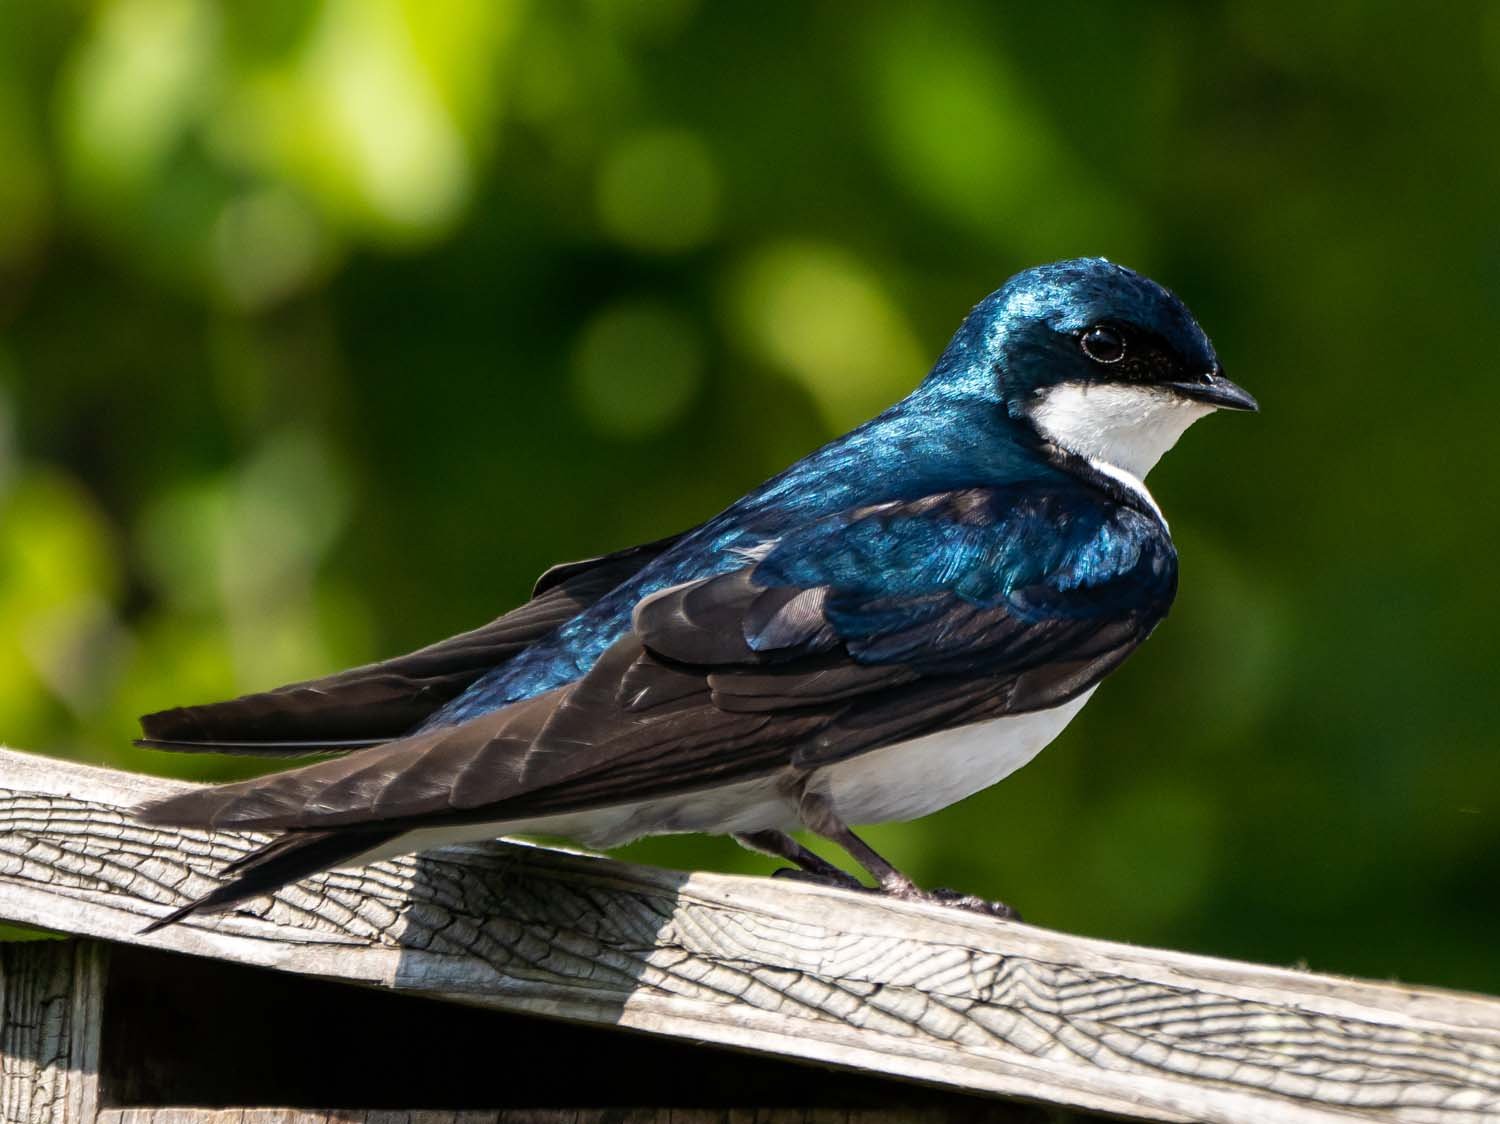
[544,754]
[285,859]
[623,563]
[369,705]
[745,673]
[423,775]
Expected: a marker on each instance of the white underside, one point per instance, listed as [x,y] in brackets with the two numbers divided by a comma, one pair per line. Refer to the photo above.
[1121,430]
[899,782]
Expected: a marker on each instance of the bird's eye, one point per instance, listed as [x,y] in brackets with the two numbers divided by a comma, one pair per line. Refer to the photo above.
[1103,345]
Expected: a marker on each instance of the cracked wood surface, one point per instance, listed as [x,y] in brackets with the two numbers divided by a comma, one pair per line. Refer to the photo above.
[50,993]
[912,991]
[537,1116]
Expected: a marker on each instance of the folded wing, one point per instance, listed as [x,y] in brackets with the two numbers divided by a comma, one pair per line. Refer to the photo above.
[858,631]
[378,702]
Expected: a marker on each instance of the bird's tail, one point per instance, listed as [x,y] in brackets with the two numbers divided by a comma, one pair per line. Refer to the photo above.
[285,859]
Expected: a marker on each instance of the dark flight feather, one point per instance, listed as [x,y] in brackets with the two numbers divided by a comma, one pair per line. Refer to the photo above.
[726,679]
[624,563]
[285,859]
[373,704]
[1000,574]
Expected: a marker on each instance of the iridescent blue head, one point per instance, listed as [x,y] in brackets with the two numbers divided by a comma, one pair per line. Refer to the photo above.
[1097,359]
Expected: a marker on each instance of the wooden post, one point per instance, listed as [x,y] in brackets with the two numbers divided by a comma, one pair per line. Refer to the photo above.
[51,1003]
[853,980]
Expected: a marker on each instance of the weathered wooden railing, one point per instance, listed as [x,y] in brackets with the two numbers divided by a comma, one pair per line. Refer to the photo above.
[782,968]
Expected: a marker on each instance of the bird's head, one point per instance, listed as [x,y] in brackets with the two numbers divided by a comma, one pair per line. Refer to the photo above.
[1097,359]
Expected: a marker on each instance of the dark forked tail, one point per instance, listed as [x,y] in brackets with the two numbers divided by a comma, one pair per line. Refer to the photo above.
[284,860]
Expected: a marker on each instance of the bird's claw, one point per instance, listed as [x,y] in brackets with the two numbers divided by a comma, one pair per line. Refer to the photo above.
[953,899]
[975,904]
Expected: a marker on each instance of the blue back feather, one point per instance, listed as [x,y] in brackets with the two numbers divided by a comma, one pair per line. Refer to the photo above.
[959,429]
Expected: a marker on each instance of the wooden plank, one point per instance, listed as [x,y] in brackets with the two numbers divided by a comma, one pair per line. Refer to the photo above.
[911,991]
[557,1116]
[51,999]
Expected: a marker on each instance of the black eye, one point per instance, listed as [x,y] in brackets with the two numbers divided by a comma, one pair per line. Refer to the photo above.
[1103,345]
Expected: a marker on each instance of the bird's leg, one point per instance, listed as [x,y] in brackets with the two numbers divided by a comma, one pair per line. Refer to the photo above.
[819,817]
[780,845]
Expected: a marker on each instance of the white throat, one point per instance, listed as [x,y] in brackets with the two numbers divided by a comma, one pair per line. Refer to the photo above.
[1121,430]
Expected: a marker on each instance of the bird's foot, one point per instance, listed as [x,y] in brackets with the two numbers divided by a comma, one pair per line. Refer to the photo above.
[836,878]
[953,899]
[818,815]
[973,903]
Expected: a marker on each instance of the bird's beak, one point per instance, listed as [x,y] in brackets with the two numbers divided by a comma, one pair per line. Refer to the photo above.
[1213,389]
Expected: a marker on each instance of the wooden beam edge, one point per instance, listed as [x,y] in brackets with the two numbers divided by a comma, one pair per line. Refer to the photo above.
[258,942]
[1438,1008]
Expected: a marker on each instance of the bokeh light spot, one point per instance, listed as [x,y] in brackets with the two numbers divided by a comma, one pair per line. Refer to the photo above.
[132,88]
[177,538]
[397,148]
[962,130]
[658,191]
[821,316]
[24,187]
[267,244]
[636,368]
[58,576]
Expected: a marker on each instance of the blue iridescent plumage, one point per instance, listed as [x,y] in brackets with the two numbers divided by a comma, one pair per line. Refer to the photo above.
[960,429]
[901,618]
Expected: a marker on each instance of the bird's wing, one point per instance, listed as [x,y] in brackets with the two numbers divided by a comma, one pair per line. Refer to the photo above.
[370,705]
[858,631]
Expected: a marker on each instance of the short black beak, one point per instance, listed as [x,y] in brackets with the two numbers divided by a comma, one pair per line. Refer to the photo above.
[1214,389]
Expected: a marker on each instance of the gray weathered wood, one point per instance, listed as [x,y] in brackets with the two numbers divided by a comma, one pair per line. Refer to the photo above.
[802,971]
[51,1000]
[544,1116]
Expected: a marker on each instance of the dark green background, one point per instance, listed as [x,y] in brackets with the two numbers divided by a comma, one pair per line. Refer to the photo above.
[324,328]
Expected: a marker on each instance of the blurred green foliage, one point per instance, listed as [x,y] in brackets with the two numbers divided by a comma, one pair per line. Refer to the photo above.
[324,327]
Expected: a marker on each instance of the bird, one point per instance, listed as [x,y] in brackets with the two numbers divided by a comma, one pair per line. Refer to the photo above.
[902,618]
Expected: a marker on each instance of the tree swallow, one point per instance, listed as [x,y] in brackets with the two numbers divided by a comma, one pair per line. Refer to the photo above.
[900,619]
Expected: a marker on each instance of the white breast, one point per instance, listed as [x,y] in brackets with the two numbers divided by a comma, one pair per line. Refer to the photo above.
[1125,427]
[912,779]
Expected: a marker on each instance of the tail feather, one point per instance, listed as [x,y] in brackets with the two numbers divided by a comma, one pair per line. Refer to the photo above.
[284,860]
[258,748]
[379,702]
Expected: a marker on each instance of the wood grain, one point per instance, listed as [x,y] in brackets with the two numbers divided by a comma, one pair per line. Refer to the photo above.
[50,1002]
[801,971]
[542,1116]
